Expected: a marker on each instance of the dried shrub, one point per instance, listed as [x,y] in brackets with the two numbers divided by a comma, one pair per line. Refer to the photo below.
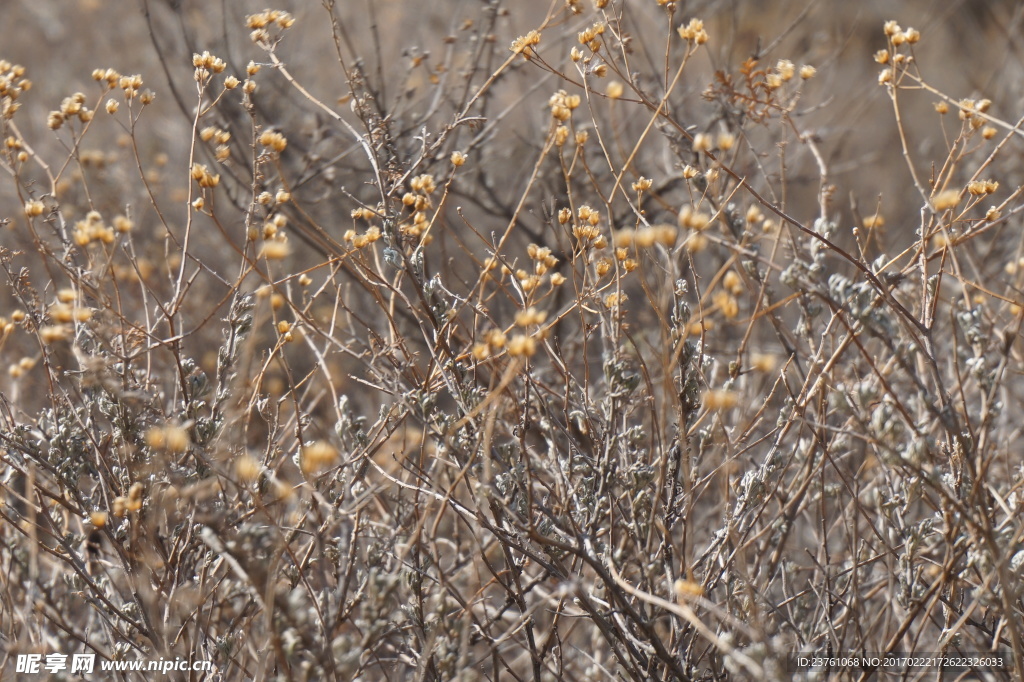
[549,349]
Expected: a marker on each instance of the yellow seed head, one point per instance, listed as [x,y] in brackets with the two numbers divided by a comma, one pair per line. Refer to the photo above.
[276,249]
[317,456]
[727,304]
[495,339]
[763,362]
[686,590]
[522,346]
[721,399]
[524,44]
[615,299]
[642,184]
[982,187]
[873,221]
[530,316]
[34,208]
[786,69]
[123,224]
[274,140]
[946,199]
[169,438]
[732,282]
[693,32]
[247,469]
[695,243]
[61,312]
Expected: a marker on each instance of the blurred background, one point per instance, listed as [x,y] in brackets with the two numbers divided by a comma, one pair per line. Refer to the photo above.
[971,48]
